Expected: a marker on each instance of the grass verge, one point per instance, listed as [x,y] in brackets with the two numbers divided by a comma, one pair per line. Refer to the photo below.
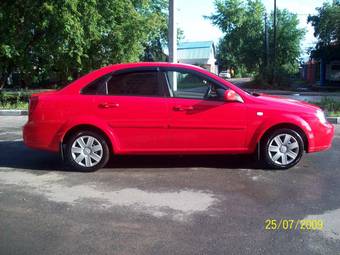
[16,106]
[330,106]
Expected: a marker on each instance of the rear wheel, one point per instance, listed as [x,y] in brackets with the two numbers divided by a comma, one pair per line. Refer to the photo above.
[87,151]
[282,149]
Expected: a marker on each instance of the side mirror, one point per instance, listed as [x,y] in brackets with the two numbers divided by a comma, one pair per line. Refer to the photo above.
[231,96]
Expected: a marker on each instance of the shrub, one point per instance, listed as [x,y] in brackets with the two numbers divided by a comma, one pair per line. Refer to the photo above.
[14,99]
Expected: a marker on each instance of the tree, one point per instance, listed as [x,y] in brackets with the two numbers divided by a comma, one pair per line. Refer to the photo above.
[70,37]
[242,22]
[327,30]
[289,38]
[242,46]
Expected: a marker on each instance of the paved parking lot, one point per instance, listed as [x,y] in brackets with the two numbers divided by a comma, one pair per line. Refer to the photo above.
[163,205]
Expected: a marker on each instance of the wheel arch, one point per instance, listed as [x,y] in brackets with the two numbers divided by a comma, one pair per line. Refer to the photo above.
[294,127]
[88,127]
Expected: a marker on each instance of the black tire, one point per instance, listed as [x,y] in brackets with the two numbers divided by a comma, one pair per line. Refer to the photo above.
[88,164]
[287,161]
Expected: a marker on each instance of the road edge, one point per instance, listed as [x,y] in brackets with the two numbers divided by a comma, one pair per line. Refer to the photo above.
[334,120]
[13,112]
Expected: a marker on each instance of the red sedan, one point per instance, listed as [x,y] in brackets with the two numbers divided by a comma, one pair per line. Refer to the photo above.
[163,108]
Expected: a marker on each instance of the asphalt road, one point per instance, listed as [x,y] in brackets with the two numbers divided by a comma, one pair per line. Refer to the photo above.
[163,205]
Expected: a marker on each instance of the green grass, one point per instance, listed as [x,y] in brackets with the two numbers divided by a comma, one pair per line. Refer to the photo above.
[17,106]
[14,99]
[334,114]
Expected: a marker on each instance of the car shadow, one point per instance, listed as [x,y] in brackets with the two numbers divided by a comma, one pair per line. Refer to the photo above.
[14,154]
[183,161]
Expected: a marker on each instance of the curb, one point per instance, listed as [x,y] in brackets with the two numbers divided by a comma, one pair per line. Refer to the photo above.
[333,120]
[13,112]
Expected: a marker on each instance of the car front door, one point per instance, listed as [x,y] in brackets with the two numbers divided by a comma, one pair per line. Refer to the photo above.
[200,120]
[133,103]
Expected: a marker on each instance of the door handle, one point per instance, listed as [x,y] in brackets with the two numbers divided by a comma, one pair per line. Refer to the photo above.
[181,108]
[108,105]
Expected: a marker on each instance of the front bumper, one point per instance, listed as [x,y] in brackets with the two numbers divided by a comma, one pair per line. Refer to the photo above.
[323,137]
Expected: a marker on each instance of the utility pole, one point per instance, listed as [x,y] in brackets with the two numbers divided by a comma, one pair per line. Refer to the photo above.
[172,32]
[274,46]
[172,42]
[266,41]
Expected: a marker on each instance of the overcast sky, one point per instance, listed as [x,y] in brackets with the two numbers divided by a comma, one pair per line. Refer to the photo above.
[190,18]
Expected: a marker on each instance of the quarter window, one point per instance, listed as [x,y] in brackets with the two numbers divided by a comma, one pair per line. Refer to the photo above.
[97,87]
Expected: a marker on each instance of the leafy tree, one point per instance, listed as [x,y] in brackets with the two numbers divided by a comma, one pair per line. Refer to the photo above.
[242,22]
[327,29]
[243,47]
[64,38]
[289,37]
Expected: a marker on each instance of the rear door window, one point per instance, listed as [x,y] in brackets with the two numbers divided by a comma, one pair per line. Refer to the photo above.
[143,83]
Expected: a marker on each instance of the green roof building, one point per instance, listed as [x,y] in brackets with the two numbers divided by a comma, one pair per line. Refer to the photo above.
[198,53]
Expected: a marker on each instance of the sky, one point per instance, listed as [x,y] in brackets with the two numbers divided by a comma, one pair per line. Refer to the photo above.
[190,18]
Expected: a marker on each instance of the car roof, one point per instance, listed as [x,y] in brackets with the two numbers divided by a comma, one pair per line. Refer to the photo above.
[151,64]
[77,85]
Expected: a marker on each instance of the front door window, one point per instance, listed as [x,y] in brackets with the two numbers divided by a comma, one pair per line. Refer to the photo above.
[186,84]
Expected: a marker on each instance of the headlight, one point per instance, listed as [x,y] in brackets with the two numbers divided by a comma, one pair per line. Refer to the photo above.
[321,116]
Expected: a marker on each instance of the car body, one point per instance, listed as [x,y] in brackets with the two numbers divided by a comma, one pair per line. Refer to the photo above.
[225,75]
[136,109]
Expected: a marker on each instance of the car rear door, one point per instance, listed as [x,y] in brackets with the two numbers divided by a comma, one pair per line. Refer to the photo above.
[136,110]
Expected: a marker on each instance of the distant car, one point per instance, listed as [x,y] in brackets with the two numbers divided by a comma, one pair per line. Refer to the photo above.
[225,75]
[163,108]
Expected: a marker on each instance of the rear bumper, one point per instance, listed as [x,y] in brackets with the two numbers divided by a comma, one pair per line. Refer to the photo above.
[40,136]
[323,137]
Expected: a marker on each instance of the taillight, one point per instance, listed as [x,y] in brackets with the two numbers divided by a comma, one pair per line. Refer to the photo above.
[32,105]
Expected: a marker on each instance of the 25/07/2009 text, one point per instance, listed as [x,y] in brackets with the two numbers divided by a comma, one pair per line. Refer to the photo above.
[290,224]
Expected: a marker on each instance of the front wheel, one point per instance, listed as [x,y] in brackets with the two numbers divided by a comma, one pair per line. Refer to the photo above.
[282,149]
[87,151]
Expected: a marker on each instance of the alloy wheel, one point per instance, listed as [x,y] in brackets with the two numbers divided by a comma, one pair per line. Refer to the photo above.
[283,149]
[87,151]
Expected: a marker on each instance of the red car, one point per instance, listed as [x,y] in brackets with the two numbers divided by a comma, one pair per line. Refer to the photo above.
[164,108]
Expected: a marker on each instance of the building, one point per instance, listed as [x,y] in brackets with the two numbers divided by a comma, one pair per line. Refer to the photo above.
[317,72]
[325,69]
[198,53]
